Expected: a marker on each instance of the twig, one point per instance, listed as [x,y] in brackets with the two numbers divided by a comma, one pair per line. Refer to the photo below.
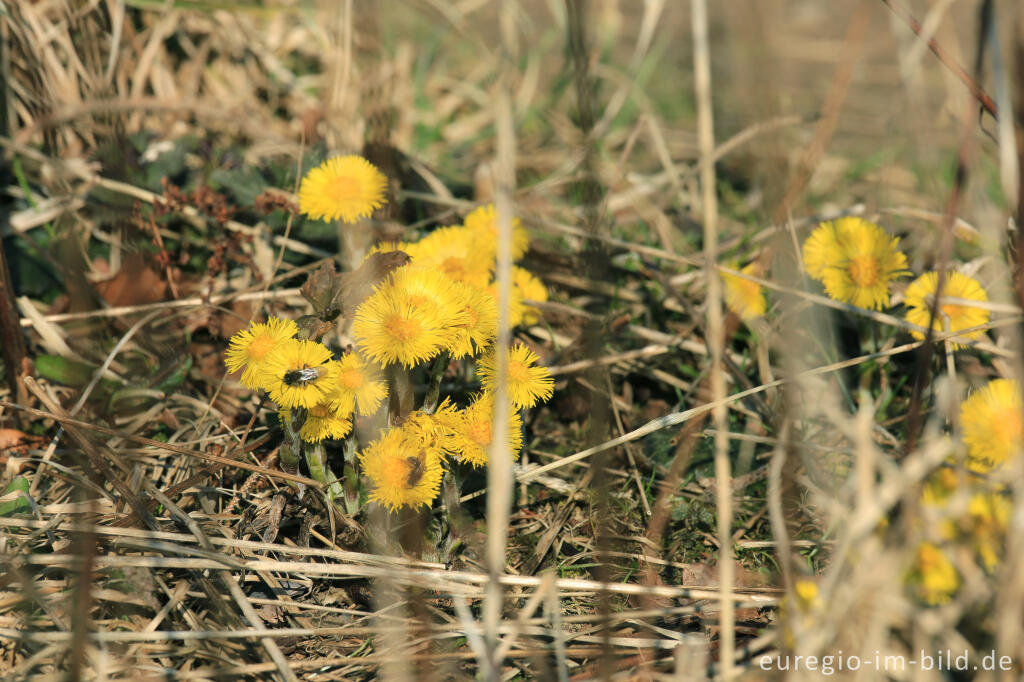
[976,90]
[715,327]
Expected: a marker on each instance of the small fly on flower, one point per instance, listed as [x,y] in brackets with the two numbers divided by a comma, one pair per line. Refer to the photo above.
[417,467]
[306,375]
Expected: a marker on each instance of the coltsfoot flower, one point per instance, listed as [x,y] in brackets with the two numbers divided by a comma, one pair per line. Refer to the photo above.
[855,260]
[323,420]
[249,348]
[481,325]
[526,383]
[933,577]
[391,328]
[484,220]
[298,373]
[992,425]
[530,288]
[922,291]
[360,386]
[458,253]
[401,473]
[345,187]
[475,431]
[745,298]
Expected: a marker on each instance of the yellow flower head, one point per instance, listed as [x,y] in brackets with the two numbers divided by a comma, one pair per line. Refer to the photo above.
[345,187]
[433,433]
[298,373]
[249,347]
[400,472]
[323,420]
[430,290]
[992,425]
[808,597]
[458,253]
[855,260]
[745,298]
[391,327]
[922,291]
[359,386]
[933,576]
[988,518]
[484,220]
[474,431]
[481,324]
[526,383]
[530,288]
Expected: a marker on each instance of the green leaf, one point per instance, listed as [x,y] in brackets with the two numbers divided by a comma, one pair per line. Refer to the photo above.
[64,371]
[21,503]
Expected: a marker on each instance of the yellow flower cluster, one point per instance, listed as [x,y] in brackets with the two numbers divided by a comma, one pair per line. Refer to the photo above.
[857,261]
[304,374]
[444,303]
[442,306]
[993,431]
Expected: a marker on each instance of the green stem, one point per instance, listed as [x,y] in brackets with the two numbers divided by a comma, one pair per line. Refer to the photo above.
[434,388]
[316,460]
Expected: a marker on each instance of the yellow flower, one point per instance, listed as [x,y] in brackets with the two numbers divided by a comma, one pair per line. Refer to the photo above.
[400,472]
[474,431]
[526,384]
[298,373]
[988,518]
[807,595]
[530,288]
[481,324]
[359,386]
[855,260]
[391,328]
[745,298]
[822,248]
[249,347]
[992,425]
[458,253]
[933,577]
[345,187]
[921,292]
[323,420]
[430,290]
[433,433]
[484,220]
[800,613]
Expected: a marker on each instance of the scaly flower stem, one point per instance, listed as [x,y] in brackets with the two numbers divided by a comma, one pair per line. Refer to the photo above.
[452,487]
[351,480]
[290,449]
[434,388]
[316,460]
[401,394]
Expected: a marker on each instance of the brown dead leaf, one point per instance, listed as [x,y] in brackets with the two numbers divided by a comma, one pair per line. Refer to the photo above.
[135,283]
[15,443]
[326,289]
[357,285]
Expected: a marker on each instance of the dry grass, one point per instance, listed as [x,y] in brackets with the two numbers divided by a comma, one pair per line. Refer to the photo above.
[691,471]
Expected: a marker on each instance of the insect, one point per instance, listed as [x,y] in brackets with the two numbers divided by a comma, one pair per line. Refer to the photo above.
[301,377]
[417,467]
